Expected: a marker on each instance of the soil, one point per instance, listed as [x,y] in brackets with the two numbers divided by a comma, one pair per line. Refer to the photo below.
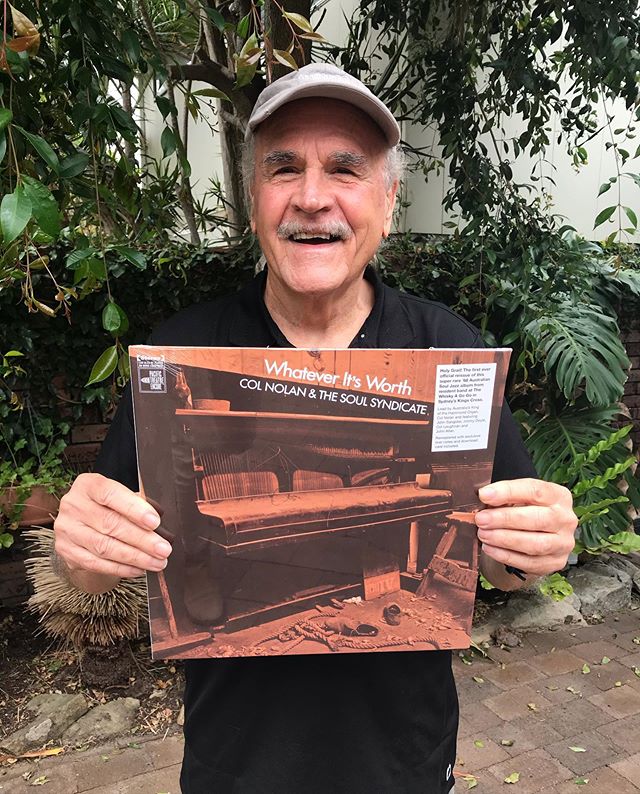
[31,664]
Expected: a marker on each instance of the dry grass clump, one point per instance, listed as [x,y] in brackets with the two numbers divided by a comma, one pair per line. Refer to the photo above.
[81,618]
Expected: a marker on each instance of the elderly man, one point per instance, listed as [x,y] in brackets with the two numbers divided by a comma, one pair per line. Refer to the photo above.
[323,183]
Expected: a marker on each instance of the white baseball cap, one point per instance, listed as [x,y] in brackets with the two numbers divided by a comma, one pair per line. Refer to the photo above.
[323,80]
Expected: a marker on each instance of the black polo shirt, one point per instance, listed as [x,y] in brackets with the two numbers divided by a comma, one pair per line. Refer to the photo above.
[348,724]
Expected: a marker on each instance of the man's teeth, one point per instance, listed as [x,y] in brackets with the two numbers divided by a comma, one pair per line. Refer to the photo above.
[313,236]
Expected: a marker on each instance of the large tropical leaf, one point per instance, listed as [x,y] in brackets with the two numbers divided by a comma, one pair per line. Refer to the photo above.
[581,348]
[554,440]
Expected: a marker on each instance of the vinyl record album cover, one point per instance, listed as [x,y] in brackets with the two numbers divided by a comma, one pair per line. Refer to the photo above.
[316,501]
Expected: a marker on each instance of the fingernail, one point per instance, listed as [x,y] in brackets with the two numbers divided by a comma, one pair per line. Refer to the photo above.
[482,519]
[487,493]
[164,548]
[159,565]
[151,520]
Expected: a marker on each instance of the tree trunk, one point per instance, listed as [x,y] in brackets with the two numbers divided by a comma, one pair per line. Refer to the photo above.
[231,142]
[127,104]
[278,34]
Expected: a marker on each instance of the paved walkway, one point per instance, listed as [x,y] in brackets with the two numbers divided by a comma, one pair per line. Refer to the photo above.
[562,709]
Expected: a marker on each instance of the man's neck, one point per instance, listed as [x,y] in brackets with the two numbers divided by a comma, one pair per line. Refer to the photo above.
[310,321]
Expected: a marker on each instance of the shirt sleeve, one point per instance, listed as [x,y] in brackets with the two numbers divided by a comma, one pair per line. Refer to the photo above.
[117,458]
[512,459]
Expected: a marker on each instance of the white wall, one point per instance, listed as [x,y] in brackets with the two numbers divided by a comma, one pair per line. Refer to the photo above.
[574,196]
[203,144]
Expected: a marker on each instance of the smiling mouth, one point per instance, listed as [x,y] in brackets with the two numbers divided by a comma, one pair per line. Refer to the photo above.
[314,239]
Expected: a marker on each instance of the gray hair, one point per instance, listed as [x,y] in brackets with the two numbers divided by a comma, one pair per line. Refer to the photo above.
[395,164]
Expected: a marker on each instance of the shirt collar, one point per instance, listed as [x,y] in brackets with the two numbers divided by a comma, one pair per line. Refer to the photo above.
[388,323]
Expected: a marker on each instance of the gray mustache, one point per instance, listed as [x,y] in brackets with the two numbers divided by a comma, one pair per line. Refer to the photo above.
[335,229]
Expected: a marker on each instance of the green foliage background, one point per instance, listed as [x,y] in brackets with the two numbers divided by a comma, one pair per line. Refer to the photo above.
[89,259]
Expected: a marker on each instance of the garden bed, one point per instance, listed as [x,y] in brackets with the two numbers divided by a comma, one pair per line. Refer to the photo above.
[31,664]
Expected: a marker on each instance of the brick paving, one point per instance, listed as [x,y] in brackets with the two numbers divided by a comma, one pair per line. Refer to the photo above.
[521,712]
[547,705]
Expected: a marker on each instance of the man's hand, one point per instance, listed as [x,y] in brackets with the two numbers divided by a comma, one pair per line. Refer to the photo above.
[104,532]
[528,524]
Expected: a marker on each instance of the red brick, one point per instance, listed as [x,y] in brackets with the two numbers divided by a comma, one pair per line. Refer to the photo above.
[607,676]
[526,733]
[600,780]
[620,702]
[81,457]
[470,691]
[624,733]
[476,717]
[553,640]
[167,752]
[598,752]
[537,770]
[471,757]
[626,640]
[508,655]
[629,620]
[629,768]
[512,674]
[634,376]
[83,434]
[59,780]
[512,704]
[595,633]
[575,716]
[557,662]
[556,689]
[631,661]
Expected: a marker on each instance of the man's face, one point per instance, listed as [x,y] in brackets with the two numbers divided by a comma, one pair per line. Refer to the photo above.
[320,205]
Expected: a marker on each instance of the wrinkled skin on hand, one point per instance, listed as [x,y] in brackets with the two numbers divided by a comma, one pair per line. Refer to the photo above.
[528,524]
[105,529]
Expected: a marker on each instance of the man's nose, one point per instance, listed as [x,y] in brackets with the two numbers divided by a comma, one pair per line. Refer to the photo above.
[313,194]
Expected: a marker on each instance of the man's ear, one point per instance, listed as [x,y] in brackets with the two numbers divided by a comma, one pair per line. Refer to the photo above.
[252,216]
[390,203]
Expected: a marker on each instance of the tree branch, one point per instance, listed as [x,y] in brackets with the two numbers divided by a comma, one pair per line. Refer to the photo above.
[217,76]
[231,119]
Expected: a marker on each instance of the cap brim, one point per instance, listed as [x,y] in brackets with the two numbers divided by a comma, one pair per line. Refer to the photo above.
[368,104]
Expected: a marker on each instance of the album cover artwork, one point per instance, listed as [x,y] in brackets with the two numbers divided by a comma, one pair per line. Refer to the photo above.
[316,501]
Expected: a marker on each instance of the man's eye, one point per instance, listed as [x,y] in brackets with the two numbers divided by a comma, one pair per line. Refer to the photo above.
[343,169]
[286,169]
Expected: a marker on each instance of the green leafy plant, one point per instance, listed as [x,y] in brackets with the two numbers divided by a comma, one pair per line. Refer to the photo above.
[621,543]
[596,493]
[33,456]
[555,586]
[556,305]
[32,448]
[89,218]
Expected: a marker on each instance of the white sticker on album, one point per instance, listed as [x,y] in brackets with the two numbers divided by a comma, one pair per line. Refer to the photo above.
[462,409]
[151,375]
